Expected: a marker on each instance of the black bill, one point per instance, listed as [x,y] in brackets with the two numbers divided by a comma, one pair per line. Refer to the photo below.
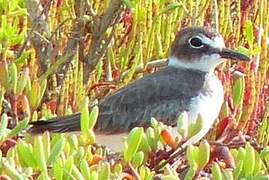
[231,54]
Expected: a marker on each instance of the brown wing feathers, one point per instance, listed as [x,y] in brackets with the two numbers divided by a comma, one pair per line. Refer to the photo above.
[160,95]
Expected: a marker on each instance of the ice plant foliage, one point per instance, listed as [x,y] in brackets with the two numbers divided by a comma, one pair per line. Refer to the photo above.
[58,57]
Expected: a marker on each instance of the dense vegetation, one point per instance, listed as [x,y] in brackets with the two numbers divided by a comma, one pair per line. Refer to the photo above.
[57,56]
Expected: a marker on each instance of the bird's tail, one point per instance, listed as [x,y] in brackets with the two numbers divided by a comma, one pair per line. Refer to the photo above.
[57,125]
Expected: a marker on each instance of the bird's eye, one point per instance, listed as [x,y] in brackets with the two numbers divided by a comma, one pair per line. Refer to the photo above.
[196,42]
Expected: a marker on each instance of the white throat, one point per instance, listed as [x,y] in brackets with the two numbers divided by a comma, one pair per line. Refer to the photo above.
[207,63]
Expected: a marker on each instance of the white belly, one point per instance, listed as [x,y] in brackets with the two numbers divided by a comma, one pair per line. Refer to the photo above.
[209,102]
[208,105]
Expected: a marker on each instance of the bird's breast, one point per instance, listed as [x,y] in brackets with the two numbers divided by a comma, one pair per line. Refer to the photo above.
[208,102]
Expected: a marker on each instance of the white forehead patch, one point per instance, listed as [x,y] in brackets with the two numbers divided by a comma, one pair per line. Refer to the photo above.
[217,42]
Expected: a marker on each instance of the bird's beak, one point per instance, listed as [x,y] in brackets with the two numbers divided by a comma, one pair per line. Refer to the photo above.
[231,54]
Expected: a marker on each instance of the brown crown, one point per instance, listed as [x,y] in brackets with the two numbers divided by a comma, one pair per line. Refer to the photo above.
[181,48]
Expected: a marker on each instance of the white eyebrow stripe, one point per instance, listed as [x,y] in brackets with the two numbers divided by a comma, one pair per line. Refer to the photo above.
[217,42]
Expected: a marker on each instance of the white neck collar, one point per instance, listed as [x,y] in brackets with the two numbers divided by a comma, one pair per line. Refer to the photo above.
[207,63]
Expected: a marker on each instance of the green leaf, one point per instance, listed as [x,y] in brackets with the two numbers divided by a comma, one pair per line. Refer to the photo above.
[13,5]
[85,116]
[191,172]
[22,83]
[129,3]
[93,117]
[104,173]
[154,123]
[238,91]
[94,175]
[11,154]
[150,133]
[1,159]
[192,154]
[20,126]
[241,154]
[88,137]
[43,86]
[234,153]
[25,154]
[117,168]
[133,142]
[76,173]
[84,168]
[145,173]
[41,176]
[79,154]
[40,155]
[144,145]
[261,177]
[58,169]
[258,164]
[159,43]
[216,172]
[4,77]
[2,93]
[170,7]
[243,50]
[182,124]
[238,169]
[195,127]
[141,14]
[13,73]
[249,32]
[57,149]
[68,166]
[34,94]
[21,12]
[99,70]
[73,141]
[11,171]
[256,50]
[204,154]
[227,174]
[22,60]
[4,4]
[170,177]
[138,159]
[264,152]
[249,160]
[46,143]
[3,125]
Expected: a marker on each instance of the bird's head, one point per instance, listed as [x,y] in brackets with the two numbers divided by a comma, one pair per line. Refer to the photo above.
[201,49]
